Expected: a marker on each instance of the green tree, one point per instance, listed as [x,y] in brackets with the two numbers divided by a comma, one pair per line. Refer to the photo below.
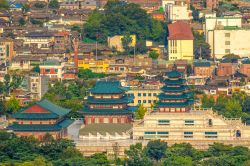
[71,152]
[153,54]
[54,4]
[40,5]
[36,69]
[99,159]
[140,112]
[201,48]
[21,22]
[207,102]
[156,149]
[2,107]
[126,42]
[76,28]
[136,156]
[4,4]
[25,8]
[178,161]
[246,105]
[12,105]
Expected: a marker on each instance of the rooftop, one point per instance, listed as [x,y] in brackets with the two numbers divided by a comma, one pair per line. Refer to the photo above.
[105,128]
[107,87]
[54,111]
[180,31]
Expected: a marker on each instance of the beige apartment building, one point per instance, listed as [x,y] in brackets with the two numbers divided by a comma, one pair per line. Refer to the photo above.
[229,40]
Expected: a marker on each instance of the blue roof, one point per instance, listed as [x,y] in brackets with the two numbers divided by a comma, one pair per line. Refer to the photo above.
[107,87]
[202,63]
[55,111]
[40,127]
[174,74]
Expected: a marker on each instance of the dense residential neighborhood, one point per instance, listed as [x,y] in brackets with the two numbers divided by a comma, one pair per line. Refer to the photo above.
[125,82]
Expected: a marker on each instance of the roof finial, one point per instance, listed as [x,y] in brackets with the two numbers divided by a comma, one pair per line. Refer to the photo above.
[174,67]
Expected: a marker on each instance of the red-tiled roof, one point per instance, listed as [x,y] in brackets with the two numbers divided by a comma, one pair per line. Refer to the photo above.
[180,31]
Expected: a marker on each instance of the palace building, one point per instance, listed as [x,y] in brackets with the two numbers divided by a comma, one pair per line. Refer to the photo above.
[41,118]
[107,103]
[175,96]
[177,120]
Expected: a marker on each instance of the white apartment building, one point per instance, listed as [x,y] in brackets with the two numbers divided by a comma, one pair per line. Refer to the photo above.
[38,85]
[229,40]
[212,23]
[177,11]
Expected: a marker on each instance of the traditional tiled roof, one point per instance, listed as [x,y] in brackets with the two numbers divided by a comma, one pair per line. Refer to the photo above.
[55,111]
[38,127]
[174,89]
[20,115]
[105,128]
[246,61]
[182,96]
[202,63]
[175,104]
[92,100]
[180,31]
[107,87]
[174,82]
[174,74]
[87,111]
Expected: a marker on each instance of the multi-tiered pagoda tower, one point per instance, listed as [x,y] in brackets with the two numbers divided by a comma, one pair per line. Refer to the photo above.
[107,104]
[175,96]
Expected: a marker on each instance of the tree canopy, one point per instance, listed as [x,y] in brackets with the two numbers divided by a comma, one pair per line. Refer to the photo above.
[119,18]
[54,4]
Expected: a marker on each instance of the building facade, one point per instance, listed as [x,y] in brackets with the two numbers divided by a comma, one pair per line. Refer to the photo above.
[227,68]
[229,40]
[52,68]
[38,86]
[245,67]
[107,104]
[39,119]
[180,41]
[193,125]
[202,68]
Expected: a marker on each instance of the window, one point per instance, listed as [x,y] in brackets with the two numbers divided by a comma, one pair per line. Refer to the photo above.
[56,70]
[144,94]
[210,122]
[211,135]
[154,94]
[139,101]
[163,122]
[188,134]
[227,42]
[189,122]
[139,94]
[144,101]
[227,34]
[149,94]
[149,132]
[227,51]
[162,132]
[47,70]
[149,101]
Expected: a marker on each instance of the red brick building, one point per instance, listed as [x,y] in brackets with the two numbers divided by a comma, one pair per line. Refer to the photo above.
[202,68]
[245,68]
[227,67]
[39,119]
